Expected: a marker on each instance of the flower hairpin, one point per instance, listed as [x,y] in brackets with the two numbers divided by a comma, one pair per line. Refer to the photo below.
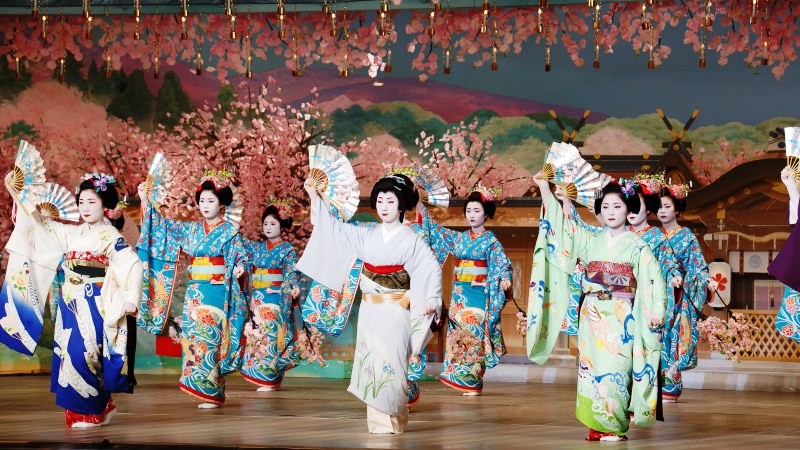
[117,212]
[679,191]
[488,194]
[627,187]
[220,178]
[650,184]
[284,207]
[100,180]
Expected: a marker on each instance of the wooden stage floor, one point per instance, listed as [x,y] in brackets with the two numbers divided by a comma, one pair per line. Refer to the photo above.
[314,413]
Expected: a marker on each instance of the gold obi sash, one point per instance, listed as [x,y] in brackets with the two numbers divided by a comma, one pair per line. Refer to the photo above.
[208,268]
[471,270]
[263,278]
[390,277]
[401,298]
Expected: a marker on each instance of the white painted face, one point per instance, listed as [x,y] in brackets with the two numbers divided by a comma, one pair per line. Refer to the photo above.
[388,207]
[667,212]
[90,207]
[271,227]
[613,211]
[209,205]
[640,218]
[475,214]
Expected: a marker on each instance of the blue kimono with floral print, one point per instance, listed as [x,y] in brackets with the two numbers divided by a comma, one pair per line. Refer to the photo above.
[270,350]
[682,334]
[214,311]
[474,308]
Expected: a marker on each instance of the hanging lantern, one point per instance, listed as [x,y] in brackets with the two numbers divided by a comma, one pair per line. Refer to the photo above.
[44,27]
[447,61]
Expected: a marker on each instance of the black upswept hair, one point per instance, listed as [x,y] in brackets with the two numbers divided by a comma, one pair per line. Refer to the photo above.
[401,186]
[224,195]
[680,203]
[631,201]
[109,198]
[489,206]
[272,210]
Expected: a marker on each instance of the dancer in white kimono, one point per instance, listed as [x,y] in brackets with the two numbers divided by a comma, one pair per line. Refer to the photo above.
[401,284]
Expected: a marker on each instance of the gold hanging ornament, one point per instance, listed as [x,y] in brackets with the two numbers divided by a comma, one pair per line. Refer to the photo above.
[651,63]
[485,17]
[87,14]
[596,63]
[295,58]
[765,53]
[345,72]
[232,34]
[447,61]
[754,12]
[136,18]
[388,68]
[43,34]
[325,8]
[61,69]
[494,57]
[333,23]
[596,16]
[107,66]
[431,23]
[198,64]
[35,5]
[228,7]
[709,19]
[539,24]
[645,17]
[248,45]
[17,68]
[281,17]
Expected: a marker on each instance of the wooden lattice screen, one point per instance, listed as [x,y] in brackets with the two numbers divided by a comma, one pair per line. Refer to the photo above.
[770,344]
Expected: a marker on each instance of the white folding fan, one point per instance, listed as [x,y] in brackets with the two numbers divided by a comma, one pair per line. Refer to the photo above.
[334,178]
[155,185]
[435,192]
[57,202]
[793,150]
[565,167]
[26,181]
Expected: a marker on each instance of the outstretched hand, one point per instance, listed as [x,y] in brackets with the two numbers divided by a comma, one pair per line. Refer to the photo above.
[308,185]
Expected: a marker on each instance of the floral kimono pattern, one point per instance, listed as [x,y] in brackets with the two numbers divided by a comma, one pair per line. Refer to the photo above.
[214,309]
[270,333]
[621,318]
[682,335]
[95,273]
[784,268]
[788,320]
[475,306]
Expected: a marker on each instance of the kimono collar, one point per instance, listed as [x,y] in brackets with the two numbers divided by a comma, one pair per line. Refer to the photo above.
[208,228]
[389,234]
[672,232]
[474,236]
[642,231]
[271,246]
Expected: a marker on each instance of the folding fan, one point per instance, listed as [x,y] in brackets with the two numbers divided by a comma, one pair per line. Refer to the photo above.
[26,181]
[334,178]
[155,185]
[57,202]
[565,166]
[793,150]
[435,192]
[233,213]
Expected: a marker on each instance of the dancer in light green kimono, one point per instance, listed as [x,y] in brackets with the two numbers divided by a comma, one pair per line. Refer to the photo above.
[621,318]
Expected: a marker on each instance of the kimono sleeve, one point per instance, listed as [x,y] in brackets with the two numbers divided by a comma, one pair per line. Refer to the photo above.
[649,309]
[575,217]
[441,240]
[499,270]
[559,244]
[426,288]
[670,267]
[330,249]
[125,277]
[696,279]
[290,276]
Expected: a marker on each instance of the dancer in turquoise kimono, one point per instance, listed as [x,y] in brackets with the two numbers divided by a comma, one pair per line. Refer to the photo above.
[215,309]
[483,272]
[689,299]
[621,318]
[97,284]
[784,267]
[270,349]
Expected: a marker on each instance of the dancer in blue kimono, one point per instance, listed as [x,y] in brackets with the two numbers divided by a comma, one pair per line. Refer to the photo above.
[214,311]
[483,272]
[270,350]
[784,267]
[689,299]
[97,283]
